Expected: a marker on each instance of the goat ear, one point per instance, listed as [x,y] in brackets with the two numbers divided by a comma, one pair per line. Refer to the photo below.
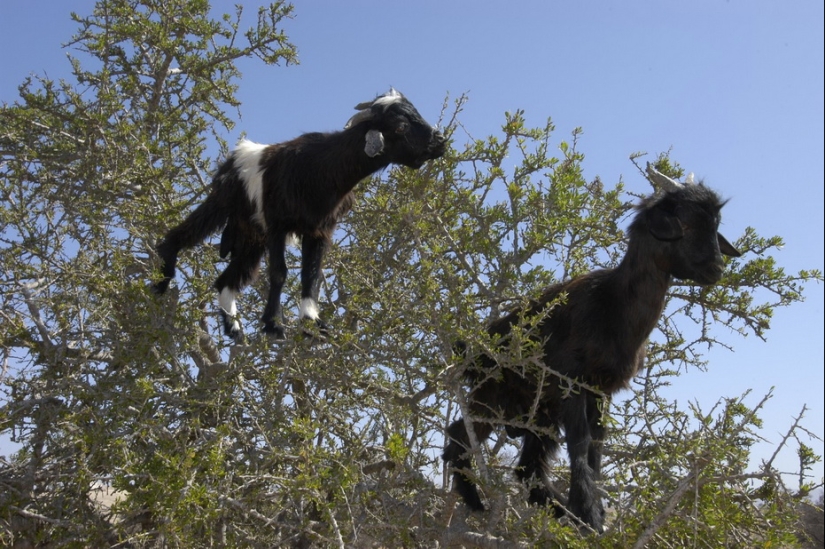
[374,143]
[663,225]
[726,247]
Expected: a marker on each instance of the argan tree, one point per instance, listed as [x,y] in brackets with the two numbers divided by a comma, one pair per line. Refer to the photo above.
[140,426]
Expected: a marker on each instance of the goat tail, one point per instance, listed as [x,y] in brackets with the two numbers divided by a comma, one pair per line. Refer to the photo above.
[205,220]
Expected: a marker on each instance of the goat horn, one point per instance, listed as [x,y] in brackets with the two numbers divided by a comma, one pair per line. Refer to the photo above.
[365,108]
[365,105]
[385,100]
[661,181]
[358,117]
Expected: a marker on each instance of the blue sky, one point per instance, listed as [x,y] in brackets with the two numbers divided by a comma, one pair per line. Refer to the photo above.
[735,88]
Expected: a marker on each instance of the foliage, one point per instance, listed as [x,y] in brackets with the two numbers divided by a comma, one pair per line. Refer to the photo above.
[141,426]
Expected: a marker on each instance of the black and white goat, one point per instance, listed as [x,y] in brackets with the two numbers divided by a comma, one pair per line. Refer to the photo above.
[262,194]
[595,333]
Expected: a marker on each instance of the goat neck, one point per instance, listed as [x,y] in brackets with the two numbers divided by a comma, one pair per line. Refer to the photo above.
[641,287]
[348,170]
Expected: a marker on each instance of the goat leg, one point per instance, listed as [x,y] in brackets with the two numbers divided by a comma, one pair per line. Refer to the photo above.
[277,277]
[313,249]
[242,269]
[457,454]
[584,500]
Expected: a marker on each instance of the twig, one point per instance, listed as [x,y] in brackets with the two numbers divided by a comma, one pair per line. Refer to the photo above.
[480,541]
[672,501]
[35,516]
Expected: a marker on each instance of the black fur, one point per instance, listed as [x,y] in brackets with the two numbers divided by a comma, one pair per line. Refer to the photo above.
[597,335]
[307,187]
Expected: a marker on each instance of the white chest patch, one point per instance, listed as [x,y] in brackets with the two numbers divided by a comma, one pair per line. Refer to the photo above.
[248,162]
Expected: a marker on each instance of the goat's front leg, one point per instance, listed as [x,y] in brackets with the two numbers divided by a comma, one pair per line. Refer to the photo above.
[584,500]
[312,256]
[277,277]
[457,455]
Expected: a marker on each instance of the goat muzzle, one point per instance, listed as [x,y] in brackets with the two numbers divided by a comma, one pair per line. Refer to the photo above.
[438,145]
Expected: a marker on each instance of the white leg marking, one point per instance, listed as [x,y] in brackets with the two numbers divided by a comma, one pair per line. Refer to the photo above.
[226,300]
[309,309]
[248,159]
[293,240]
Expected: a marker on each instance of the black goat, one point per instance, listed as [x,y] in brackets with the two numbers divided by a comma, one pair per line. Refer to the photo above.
[264,193]
[594,337]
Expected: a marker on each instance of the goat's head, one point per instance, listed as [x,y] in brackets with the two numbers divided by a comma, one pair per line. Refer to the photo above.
[684,218]
[396,130]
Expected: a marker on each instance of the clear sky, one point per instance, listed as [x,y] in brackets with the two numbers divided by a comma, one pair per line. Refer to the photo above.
[735,88]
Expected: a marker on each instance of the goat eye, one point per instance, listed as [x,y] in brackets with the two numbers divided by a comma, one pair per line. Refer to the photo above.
[402,127]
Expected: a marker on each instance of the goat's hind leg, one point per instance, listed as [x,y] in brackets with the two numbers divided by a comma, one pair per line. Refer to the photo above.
[168,253]
[203,221]
[457,455]
[242,269]
[534,466]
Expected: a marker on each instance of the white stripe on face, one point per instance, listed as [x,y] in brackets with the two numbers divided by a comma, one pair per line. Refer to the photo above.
[388,98]
[248,160]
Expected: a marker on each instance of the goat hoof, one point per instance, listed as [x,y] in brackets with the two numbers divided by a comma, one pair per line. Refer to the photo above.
[470,496]
[231,327]
[593,518]
[234,334]
[272,329]
[315,329]
[558,510]
[323,327]
[543,497]
[159,288]
[476,506]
